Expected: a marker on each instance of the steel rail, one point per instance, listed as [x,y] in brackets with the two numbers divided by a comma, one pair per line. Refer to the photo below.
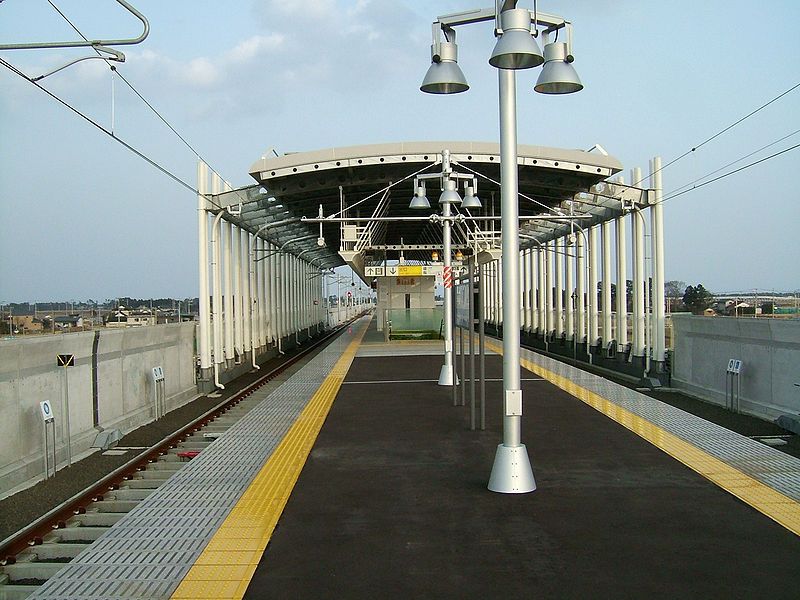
[33,534]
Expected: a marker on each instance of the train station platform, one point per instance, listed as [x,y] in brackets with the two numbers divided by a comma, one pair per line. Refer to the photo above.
[359,478]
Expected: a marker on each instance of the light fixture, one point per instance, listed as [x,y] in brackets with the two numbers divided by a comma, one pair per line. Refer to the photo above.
[470,199]
[558,76]
[516,48]
[434,255]
[420,200]
[444,76]
[459,255]
[449,195]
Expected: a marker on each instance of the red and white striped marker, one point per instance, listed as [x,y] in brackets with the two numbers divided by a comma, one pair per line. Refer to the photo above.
[447,277]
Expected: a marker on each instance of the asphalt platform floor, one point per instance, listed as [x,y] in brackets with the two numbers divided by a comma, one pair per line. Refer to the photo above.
[392,503]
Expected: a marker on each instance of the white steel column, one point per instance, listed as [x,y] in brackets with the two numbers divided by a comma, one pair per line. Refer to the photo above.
[258,297]
[266,274]
[238,321]
[525,289]
[204,334]
[560,249]
[273,322]
[622,286]
[228,317]
[657,237]
[580,288]
[569,290]
[246,294]
[637,227]
[594,248]
[534,292]
[548,286]
[216,282]
[606,308]
[542,291]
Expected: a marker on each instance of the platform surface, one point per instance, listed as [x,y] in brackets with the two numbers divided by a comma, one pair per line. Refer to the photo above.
[392,503]
[358,478]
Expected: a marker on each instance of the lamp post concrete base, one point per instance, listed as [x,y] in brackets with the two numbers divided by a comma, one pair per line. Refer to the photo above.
[511,472]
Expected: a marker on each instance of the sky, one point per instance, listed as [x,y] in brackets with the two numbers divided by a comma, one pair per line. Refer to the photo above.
[81,217]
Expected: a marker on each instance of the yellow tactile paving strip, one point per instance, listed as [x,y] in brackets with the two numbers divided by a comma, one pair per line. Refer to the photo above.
[760,496]
[224,568]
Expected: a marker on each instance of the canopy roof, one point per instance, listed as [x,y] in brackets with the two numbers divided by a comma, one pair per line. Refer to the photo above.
[377,181]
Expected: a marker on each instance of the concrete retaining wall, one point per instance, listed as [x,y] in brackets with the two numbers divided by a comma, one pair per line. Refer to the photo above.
[768,348]
[124,389]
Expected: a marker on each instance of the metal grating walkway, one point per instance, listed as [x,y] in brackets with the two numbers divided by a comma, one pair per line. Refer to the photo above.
[148,552]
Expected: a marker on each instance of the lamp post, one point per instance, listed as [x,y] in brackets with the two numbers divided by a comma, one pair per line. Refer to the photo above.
[516,48]
[448,182]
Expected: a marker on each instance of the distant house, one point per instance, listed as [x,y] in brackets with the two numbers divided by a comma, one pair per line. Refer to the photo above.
[123,317]
[26,323]
[69,322]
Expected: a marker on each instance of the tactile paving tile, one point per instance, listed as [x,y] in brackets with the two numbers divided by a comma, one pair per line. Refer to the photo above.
[149,551]
[771,467]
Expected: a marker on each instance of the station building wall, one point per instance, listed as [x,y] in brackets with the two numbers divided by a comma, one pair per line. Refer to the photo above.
[768,348]
[122,363]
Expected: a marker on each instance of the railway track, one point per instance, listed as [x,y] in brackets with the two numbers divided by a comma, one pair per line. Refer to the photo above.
[37,552]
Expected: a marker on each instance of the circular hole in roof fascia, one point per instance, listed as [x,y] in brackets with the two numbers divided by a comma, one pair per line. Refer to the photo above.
[360,161]
[556,164]
[598,169]
[273,173]
[469,157]
[338,163]
[382,159]
[536,162]
[491,158]
[425,157]
[577,166]
[294,170]
[316,166]
[404,158]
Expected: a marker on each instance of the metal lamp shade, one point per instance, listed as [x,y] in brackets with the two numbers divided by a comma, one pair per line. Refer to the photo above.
[419,202]
[470,199]
[516,48]
[444,76]
[449,195]
[420,199]
[558,76]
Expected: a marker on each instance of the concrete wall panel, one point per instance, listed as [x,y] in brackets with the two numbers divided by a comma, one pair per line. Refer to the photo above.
[768,348]
[125,358]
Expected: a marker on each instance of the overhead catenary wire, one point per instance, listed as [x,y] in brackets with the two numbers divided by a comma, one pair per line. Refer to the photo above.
[109,133]
[738,160]
[670,196]
[724,130]
[116,71]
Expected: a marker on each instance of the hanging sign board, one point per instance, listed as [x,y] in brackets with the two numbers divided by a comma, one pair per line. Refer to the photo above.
[462,304]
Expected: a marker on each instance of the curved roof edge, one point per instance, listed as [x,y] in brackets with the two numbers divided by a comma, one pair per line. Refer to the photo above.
[526,154]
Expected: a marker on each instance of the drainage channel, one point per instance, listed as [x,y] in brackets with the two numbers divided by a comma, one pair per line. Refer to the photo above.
[37,553]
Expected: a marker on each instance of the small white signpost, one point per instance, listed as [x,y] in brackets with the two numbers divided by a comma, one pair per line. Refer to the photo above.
[159,392]
[48,424]
[733,385]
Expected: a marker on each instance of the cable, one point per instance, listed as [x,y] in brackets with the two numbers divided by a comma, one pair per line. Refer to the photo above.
[730,164]
[135,91]
[137,152]
[747,166]
[728,128]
